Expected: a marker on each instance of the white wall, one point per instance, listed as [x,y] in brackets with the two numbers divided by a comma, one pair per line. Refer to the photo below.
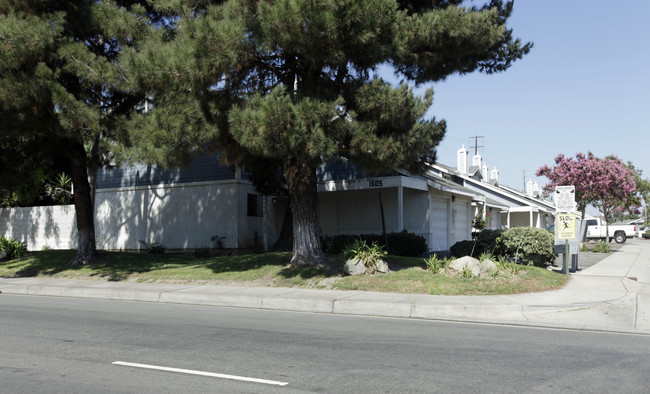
[182,216]
[41,227]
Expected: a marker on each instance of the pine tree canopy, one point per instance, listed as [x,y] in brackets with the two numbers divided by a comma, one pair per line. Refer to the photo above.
[63,91]
[266,76]
[296,82]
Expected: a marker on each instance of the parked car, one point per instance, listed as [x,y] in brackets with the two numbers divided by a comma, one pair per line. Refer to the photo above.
[641,230]
[596,229]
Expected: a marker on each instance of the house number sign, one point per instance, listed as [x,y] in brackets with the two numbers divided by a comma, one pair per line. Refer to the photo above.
[376,183]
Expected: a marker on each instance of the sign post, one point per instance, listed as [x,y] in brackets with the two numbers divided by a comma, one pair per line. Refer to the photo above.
[565,198]
[565,227]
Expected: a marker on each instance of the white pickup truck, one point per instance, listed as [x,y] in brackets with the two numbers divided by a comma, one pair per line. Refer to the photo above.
[596,229]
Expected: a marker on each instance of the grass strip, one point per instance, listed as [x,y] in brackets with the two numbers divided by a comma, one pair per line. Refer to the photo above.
[408,274]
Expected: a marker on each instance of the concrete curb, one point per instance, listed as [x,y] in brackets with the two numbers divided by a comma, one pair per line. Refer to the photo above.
[613,296]
[612,314]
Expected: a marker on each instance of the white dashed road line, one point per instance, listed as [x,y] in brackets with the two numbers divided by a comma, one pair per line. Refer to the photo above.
[200,373]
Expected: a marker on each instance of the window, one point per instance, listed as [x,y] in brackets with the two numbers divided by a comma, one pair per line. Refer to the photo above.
[254,205]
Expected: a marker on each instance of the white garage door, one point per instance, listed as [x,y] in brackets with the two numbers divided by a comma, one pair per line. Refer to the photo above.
[439,224]
[461,226]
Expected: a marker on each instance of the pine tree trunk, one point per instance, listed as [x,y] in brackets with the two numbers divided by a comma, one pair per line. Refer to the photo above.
[86,250]
[303,195]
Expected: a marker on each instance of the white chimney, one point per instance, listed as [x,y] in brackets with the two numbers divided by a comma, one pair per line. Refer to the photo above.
[484,172]
[476,160]
[535,187]
[494,175]
[462,160]
[529,187]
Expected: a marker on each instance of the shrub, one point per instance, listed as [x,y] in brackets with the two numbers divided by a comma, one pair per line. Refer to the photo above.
[463,248]
[399,244]
[203,251]
[13,247]
[601,247]
[369,255]
[435,264]
[646,235]
[484,243]
[406,244]
[529,245]
[152,247]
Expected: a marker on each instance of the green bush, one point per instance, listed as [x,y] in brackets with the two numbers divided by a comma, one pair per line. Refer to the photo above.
[399,244]
[13,247]
[529,245]
[436,264]
[646,235]
[406,244]
[369,255]
[463,248]
[601,247]
[152,247]
[484,242]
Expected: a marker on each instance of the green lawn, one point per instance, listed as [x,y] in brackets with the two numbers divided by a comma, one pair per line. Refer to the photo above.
[272,269]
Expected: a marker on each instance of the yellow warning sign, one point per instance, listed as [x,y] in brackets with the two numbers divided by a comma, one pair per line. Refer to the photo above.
[566,226]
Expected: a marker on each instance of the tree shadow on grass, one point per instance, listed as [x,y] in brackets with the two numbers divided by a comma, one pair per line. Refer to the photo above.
[120,265]
[245,262]
[116,266]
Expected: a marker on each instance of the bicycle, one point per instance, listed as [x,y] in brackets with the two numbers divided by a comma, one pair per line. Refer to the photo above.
[217,243]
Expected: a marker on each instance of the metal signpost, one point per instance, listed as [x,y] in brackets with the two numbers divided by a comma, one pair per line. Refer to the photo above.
[566,229]
[565,226]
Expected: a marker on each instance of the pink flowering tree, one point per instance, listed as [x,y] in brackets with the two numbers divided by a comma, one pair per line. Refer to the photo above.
[606,183]
[618,187]
[572,171]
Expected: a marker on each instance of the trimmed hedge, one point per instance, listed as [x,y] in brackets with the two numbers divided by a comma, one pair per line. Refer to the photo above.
[483,242]
[532,246]
[399,244]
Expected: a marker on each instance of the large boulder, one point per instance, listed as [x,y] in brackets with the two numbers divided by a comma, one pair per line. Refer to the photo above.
[473,264]
[382,267]
[354,267]
[488,267]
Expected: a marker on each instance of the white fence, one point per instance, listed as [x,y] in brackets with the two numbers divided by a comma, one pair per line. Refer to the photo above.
[182,216]
[41,227]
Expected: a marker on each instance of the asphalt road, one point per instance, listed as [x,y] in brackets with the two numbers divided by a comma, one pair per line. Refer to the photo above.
[71,345]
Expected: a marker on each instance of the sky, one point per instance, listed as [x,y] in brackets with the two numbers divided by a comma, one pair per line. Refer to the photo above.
[584,86]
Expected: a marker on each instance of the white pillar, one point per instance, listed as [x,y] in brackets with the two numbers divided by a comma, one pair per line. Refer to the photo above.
[531,218]
[487,224]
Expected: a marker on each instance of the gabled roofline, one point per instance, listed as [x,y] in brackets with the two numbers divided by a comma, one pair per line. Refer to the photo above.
[505,191]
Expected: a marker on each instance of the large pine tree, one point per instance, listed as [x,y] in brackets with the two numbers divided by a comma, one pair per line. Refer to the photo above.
[62,91]
[296,81]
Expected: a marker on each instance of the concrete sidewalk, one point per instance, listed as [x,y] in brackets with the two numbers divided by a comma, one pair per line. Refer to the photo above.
[612,295]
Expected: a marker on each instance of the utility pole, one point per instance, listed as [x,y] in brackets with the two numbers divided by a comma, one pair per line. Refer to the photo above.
[476,145]
[524,171]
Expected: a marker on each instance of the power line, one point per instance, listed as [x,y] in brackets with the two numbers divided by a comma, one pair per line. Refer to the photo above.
[476,145]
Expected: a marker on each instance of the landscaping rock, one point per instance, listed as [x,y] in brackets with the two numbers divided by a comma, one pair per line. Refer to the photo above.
[3,255]
[488,267]
[354,267]
[382,267]
[473,264]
